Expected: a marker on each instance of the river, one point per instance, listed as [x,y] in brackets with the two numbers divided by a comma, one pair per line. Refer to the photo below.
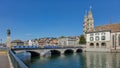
[78,60]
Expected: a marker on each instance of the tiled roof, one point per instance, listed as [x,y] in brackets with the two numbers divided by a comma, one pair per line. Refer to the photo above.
[112,27]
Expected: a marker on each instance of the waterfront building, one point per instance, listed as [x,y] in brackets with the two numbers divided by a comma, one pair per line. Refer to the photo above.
[98,39]
[105,36]
[48,41]
[30,42]
[44,41]
[54,41]
[25,43]
[115,33]
[17,42]
[68,41]
[36,42]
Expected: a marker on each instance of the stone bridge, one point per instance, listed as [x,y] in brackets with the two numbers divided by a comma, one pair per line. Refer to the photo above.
[43,51]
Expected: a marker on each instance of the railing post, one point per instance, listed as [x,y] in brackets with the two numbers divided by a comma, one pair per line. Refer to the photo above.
[17,63]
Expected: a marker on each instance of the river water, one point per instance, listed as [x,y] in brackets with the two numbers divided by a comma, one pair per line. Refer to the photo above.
[78,60]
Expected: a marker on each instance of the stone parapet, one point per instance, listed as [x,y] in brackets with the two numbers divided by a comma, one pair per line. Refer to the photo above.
[98,49]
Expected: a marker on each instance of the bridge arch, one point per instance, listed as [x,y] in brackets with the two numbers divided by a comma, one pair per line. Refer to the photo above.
[55,52]
[79,50]
[34,54]
[69,51]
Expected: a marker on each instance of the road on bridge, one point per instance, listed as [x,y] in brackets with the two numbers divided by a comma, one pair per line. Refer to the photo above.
[4,61]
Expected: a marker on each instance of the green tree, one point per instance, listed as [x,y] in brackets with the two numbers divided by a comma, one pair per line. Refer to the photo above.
[82,40]
[62,37]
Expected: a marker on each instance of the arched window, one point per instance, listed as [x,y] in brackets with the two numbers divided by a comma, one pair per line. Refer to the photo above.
[103,45]
[91,45]
[97,45]
[113,40]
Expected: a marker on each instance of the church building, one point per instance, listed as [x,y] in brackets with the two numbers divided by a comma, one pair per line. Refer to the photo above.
[102,38]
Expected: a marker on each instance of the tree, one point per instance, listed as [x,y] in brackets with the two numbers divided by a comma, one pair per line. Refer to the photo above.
[82,40]
[62,37]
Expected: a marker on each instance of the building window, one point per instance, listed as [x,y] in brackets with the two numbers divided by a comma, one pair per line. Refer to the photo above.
[91,34]
[103,38]
[97,44]
[91,45]
[102,33]
[119,40]
[96,33]
[97,38]
[91,38]
[103,45]
[113,40]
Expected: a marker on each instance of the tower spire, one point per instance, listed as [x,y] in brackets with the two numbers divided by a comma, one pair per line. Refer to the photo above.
[86,12]
[90,7]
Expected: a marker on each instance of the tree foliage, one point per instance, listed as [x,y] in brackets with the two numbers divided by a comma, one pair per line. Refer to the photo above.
[62,37]
[82,40]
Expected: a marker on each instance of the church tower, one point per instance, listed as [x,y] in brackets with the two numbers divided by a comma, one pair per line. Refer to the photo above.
[85,23]
[88,22]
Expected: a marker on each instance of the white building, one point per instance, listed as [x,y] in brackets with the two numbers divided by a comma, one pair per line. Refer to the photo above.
[98,39]
[102,38]
[68,41]
[30,42]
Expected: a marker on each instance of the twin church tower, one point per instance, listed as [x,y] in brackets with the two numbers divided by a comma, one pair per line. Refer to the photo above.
[88,25]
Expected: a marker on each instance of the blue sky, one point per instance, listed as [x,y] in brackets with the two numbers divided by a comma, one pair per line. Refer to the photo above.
[30,19]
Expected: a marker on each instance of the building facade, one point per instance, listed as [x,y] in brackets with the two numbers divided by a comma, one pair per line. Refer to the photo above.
[17,42]
[115,40]
[98,39]
[68,41]
[105,36]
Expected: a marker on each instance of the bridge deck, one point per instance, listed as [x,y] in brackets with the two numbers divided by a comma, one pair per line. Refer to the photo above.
[4,61]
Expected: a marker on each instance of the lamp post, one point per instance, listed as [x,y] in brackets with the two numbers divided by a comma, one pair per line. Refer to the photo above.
[1,42]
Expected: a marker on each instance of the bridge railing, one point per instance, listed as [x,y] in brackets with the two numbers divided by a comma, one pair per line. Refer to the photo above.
[17,63]
[72,46]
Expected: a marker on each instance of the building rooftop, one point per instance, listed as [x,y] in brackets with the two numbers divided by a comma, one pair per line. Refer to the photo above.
[17,41]
[112,27]
[99,31]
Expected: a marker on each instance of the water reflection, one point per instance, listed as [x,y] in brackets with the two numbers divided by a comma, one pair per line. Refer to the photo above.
[81,60]
[102,60]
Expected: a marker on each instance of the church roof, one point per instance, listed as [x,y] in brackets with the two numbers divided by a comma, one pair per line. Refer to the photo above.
[112,27]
